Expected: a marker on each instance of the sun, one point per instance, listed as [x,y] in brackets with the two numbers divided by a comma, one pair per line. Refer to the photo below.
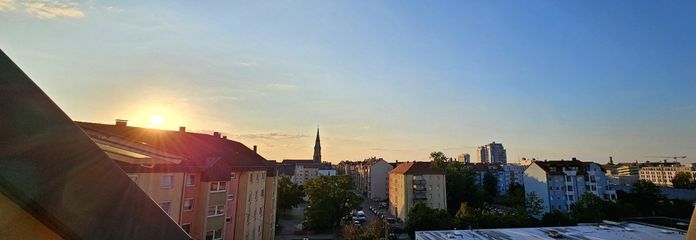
[156,120]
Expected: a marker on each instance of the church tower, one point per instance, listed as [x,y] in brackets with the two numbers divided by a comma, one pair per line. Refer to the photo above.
[317,149]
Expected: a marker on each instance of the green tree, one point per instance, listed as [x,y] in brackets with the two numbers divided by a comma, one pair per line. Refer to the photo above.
[682,180]
[439,159]
[423,218]
[556,218]
[490,184]
[515,197]
[351,232]
[589,208]
[289,194]
[376,229]
[330,199]
[646,197]
[533,204]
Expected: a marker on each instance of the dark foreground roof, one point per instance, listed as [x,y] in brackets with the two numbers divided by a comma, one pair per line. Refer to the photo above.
[54,172]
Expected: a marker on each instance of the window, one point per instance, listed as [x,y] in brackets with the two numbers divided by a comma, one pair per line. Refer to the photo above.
[166,181]
[218,186]
[134,178]
[188,204]
[568,178]
[217,210]
[186,227]
[594,188]
[166,206]
[230,197]
[262,192]
[228,219]
[213,235]
[571,197]
[191,180]
[233,175]
[251,178]
[570,188]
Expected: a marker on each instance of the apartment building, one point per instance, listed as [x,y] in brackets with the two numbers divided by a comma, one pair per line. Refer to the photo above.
[372,178]
[56,183]
[506,175]
[411,183]
[560,183]
[214,188]
[492,153]
[662,173]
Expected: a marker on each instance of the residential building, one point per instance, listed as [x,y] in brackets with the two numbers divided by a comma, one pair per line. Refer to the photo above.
[464,157]
[561,183]
[506,175]
[492,153]
[372,178]
[663,172]
[56,183]
[411,183]
[628,169]
[215,188]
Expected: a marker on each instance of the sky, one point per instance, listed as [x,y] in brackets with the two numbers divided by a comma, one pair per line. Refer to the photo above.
[392,79]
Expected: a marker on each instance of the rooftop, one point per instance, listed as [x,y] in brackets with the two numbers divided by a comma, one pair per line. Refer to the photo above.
[586,232]
[417,168]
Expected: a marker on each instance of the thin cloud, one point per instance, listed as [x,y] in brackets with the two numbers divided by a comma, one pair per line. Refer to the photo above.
[52,9]
[247,63]
[281,87]
[386,149]
[273,136]
[8,5]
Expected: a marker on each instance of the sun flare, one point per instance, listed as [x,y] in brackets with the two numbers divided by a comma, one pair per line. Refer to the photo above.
[156,120]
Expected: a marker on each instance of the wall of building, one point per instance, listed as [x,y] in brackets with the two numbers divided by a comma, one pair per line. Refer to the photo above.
[193,193]
[535,180]
[249,222]
[150,183]
[269,212]
[18,224]
[399,197]
[379,180]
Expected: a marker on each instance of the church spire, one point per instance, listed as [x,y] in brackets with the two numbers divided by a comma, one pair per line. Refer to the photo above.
[317,149]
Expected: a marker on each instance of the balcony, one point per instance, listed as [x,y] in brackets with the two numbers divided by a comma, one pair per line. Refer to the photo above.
[418,181]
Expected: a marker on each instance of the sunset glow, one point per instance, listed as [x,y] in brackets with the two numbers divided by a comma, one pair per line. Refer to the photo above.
[156,120]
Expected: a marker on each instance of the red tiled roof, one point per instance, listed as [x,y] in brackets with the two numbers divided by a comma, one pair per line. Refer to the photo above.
[417,168]
[216,155]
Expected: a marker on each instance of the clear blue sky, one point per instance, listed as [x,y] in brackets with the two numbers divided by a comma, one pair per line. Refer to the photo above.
[395,79]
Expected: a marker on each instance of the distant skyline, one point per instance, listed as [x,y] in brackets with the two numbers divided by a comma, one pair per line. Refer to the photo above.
[392,79]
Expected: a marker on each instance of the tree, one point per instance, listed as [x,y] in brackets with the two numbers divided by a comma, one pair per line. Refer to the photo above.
[533,204]
[515,197]
[490,184]
[439,159]
[423,218]
[683,180]
[351,232]
[556,218]
[589,208]
[330,199]
[376,229]
[646,197]
[289,194]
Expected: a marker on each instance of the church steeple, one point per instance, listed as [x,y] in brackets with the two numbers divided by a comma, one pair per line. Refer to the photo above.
[317,149]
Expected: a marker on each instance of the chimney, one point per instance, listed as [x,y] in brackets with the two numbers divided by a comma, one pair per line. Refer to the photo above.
[611,160]
[121,122]
[216,134]
[224,137]
[255,148]
[575,159]
[182,129]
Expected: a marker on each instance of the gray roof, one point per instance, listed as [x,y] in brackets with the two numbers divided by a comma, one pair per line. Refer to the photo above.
[53,171]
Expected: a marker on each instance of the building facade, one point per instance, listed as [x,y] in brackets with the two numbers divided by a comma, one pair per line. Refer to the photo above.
[662,173]
[559,184]
[492,153]
[411,183]
[214,188]
[372,178]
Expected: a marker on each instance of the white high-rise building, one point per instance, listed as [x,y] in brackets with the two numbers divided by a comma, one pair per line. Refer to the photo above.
[492,153]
